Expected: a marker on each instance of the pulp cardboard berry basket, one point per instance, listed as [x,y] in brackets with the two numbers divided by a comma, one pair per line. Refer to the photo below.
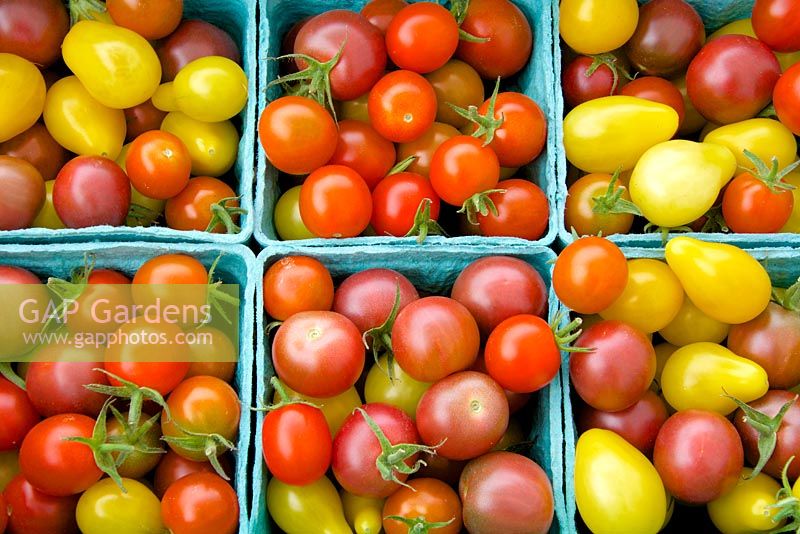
[238,19]
[236,266]
[783,266]
[715,14]
[431,270]
[537,80]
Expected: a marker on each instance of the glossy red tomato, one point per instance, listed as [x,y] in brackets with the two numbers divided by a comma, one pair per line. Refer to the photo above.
[698,456]
[396,201]
[296,284]
[367,297]
[151,20]
[201,502]
[194,39]
[580,214]
[750,206]
[510,39]
[496,288]
[638,424]
[590,274]
[296,444]
[620,369]
[777,23]
[580,85]
[363,58]
[92,191]
[657,90]
[381,12]
[158,164]
[402,106]
[160,376]
[427,498]
[33,29]
[297,134]
[356,449]
[36,146]
[522,211]
[425,147]
[309,344]
[434,337]
[142,118]
[55,466]
[32,512]
[174,467]
[57,387]
[786,98]
[335,202]
[422,37]
[505,492]
[731,79]
[521,137]
[522,354]
[462,167]
[23,193]
[466,412]
[18,414]
[362,149]
[191,209]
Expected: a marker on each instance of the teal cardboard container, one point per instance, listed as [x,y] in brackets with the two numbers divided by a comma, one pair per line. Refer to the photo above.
[783,266]
[537,81]
[238,18]
[431,270]
[715,14]
[237,266]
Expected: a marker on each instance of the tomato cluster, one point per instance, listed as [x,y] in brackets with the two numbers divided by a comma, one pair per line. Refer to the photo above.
[78,86]
[687,391]
[366,150]
[96,438]
[443,402]
[673,130]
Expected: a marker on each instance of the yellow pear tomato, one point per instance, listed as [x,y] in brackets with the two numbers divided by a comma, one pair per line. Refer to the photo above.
[746,508]
[164,97]
[611,133]
[698,376]
[723,281]
[692,326]
[105,508]
[211,89]
[118,66]
[597,26]
[363,514]
[766,138]
[295,508]
[212,145]
[22,96]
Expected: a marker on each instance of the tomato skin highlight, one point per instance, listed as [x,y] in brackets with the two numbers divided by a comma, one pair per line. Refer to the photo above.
[335,202]
[521,137]
[296,284]
[367,297]
[590,274]
[777,23]
[422,37]
[395,201]
[750,207]
[200,502]
[462,167]
[32,512]
[402,106]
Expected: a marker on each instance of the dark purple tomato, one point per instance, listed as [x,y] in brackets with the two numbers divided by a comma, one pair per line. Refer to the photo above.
[36,146]
[668,36]
[638,425]
[579,85]
[288,65]
[23,193]
[772,340]
[731,79]
[698,455]
[92,191]
[142,118]
[194,39]
[363,58]
[33,29]
[788,433]
[498,287]
[367,298]
[56,387]
[505,492]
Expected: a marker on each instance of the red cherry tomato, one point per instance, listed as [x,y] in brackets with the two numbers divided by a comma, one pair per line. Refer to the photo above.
[463,167]
[395,202]
[158,164]
[296,284]
[522,211]
[32,512]
[362,149]
[424,147]
[750,206]
[200,502]
[367,297]
[657,90]
[786,98]
[18,414]
[174,467]
[422,37]
[590,274]
[381,12]
[57,387]
[296,444]
[402,106]
[777,23]
[521,137]
[191,208]
[160,376]
[580,86]
[335,202]
[194,39]
[92,191]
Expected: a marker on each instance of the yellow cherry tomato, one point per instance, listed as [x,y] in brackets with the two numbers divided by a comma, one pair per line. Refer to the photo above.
[211,89]
[335,409]
[164,97]
[745,27]
[610,133]
[22,95]
[663,352]
[48,218]
[80,123]
[295,508]
[617,489]
[363,514]
[723,281]
[698,376]
[651,299]
[288,223]
[212,145]
[403,392]
[676,182]
[793,224]
[104,508]
[597,26]
[746,508]
[692,326]
[766,138]
[118,66]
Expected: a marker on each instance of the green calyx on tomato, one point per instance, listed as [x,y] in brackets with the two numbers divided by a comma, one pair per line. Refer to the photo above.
[565,335]
[789,298]
[423,223]
[480,203]
[284,398]
[612,203]
[767,428]
[401,166]
[419,525]
[393,457]
[381,337]
[609,60]
[772,176]
[487,124]
[216,295]
[135,394]
[86,10]
[314,81]
[787,503]
[459,10]
[222,213]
